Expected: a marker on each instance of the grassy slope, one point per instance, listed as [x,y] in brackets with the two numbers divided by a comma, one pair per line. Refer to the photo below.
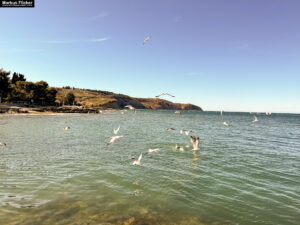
[104,99]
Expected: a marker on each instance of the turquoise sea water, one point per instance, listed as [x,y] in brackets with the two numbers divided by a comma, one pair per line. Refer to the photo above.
[247,173]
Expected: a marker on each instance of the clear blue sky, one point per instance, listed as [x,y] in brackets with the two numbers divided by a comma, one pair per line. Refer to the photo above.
[236,55]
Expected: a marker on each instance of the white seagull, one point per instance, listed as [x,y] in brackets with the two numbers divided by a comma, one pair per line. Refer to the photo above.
[195,142]
[137,161]
[187,132]
[116,130]
[2,144]
[181,149]
[157,96]
[255,119]
[66,128]
[150,151]
[146,40]
[113,139]
[170,129]
[130,107]
[225,124]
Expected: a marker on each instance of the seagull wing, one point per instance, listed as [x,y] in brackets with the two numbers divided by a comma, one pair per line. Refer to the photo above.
[116,130]
[112,140]
[140,157]
[170,95]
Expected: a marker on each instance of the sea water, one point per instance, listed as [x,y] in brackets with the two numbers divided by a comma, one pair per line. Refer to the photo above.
[246,173]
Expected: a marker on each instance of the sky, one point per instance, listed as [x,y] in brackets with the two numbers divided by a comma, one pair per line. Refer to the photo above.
[229,55]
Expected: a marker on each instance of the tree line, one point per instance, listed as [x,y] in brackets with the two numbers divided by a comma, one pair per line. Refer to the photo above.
[17,88]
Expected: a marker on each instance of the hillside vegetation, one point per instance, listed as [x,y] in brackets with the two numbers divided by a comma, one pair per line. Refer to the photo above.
[104,99]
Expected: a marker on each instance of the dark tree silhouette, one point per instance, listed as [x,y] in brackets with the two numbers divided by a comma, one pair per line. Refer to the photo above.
[4,83]
[70,98]
[17,77]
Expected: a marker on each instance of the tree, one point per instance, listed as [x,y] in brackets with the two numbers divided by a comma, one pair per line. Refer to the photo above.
[17,77]
[51,96]
[39,92]
[4,83]
[70,98]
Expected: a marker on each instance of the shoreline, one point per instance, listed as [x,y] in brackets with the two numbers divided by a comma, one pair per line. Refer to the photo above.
[17,108]
[21,109]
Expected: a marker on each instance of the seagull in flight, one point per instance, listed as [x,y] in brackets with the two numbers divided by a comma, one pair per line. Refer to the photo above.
[225,124]
[157,96]
[255,119]
[137,161]
[113,139]
[116,130]
[195,142]
[146,40]
[131,107]
[187,132]
[150,151]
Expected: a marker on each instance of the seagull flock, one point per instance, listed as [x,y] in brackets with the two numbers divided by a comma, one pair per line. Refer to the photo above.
[194,140]
[137,161]
[226,124]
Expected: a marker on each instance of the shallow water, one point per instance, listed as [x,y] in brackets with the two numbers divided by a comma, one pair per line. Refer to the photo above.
[247,173]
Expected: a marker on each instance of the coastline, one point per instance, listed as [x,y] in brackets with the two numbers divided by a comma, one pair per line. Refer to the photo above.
[47,110]
[13,109]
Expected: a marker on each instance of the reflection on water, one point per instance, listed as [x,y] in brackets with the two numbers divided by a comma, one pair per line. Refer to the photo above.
[196,160]
[247,173]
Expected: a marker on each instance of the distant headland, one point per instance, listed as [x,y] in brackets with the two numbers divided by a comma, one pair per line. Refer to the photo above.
[20,96]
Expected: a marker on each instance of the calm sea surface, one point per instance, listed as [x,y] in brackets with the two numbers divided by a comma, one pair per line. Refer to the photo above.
[247,173]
